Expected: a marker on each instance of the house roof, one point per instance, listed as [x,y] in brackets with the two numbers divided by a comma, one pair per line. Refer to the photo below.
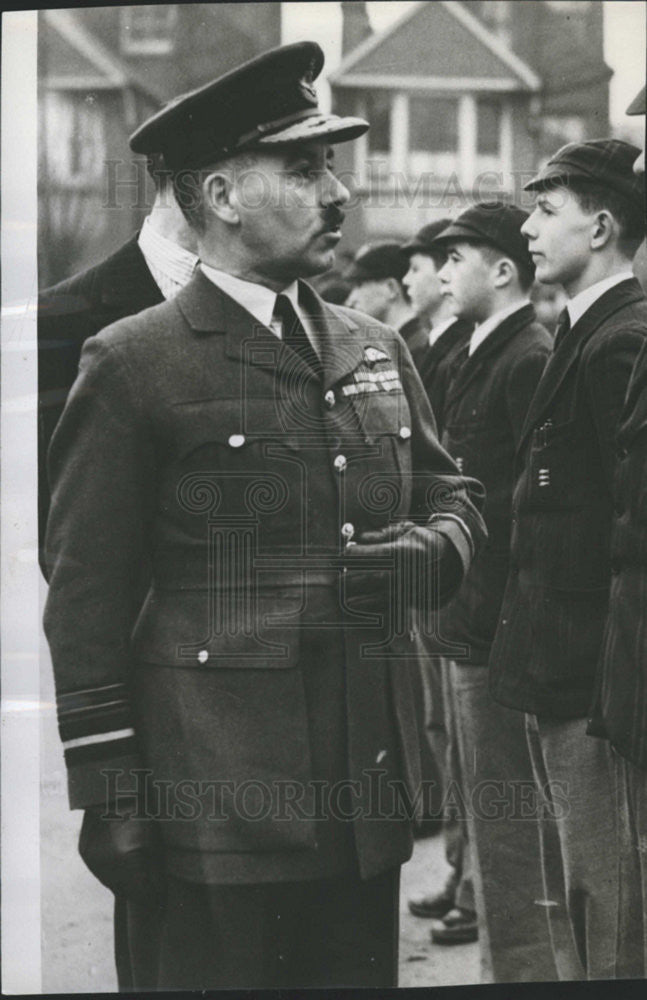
[77,60]
[435,44]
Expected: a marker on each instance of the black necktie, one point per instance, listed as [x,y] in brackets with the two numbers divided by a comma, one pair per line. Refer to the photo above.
[294,334]
[562,328]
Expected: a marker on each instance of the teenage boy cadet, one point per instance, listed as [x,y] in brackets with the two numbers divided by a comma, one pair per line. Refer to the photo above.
[486,280]
[231,439]
[376,274]
[445,335]
[620,710]
[583,233]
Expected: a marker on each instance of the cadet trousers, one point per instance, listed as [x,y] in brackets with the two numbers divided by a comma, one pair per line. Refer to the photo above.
[579,844]
[332,932]
[631,788]
[440,729]
[501,803]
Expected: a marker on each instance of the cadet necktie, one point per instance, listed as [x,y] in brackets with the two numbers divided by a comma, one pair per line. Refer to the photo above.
[294,334]
[562,328]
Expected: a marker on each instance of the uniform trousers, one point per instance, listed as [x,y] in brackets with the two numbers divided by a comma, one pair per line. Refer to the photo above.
[579,844]
[440,729]
[631,787]
[332,932]
[501,802]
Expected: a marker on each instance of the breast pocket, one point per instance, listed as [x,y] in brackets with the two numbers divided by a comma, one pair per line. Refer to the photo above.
[385,421]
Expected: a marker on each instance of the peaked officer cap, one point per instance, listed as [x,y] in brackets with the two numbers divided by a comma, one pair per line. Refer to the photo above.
[268,101]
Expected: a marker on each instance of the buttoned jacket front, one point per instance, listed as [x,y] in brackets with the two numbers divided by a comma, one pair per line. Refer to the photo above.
[548,639]
[486,404]
[198,440]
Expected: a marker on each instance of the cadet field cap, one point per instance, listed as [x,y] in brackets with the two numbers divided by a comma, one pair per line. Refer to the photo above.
[376,262]
[267,102]
[495,223]
[424,238]
[637,106]
[606,161]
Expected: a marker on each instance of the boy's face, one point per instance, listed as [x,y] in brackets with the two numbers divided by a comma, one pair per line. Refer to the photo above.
[421,282]
[467,281]
[559,234]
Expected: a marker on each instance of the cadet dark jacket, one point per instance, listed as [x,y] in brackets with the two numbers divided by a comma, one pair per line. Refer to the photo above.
[69,313]
[437,364]
[620,712]
[484,413]
[416,337]
[547,645]
[195,439]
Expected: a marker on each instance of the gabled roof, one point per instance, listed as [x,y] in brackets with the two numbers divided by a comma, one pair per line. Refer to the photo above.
[437,41]
[76,59]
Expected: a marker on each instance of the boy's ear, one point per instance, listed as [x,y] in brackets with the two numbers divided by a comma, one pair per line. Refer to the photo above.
[505,272]
[604,227]
[393,285]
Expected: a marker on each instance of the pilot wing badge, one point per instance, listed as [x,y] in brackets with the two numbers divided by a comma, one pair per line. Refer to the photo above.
[376,374]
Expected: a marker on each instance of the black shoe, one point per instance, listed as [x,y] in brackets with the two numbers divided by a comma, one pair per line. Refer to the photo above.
[456,927]
[431,906]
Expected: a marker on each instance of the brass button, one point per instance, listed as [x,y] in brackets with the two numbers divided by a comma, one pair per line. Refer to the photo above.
[405,433]
[237,440]
[348,530]
[329,399]
[203,656]
[340,463]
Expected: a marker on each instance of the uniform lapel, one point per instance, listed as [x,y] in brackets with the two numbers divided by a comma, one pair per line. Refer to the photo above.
[569,350]
[440,349]
[489,349]
[339,344]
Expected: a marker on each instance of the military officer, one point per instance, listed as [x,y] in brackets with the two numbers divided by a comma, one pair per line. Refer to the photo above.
[243,744]
[620,709]
[583,234]
[376,273]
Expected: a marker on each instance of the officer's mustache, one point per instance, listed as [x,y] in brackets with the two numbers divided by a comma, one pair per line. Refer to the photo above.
[333,219]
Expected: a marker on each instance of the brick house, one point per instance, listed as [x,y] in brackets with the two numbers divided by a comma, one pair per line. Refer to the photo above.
[464,100]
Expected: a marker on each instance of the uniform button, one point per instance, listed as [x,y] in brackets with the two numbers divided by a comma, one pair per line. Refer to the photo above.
[340,463]
[329,399]
[237,440]
[405,433]
[380,757]
[203,656]
[348,530]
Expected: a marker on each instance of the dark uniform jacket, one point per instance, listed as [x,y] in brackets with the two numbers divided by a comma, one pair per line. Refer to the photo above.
[438,362]
[69,313]
[620,712]
[200,441]
[416,337]
[547,645]
[484,413]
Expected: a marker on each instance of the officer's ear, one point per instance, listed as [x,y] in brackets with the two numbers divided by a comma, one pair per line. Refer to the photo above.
[603,229]
[217,191]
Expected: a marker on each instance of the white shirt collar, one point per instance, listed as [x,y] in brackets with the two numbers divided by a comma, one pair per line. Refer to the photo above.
[489,325]
[256,299]
[170,264]
[583,301]
[437,331]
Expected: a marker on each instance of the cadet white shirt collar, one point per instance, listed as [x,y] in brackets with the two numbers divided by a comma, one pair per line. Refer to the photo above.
[437,331]
[583,301]
[489,325]
[257,299]
[170,264]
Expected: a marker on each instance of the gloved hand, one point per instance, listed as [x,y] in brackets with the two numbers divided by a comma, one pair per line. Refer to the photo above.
[409,565]
[124,853]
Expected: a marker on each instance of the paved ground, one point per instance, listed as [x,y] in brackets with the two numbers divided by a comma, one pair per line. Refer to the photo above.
[77,910]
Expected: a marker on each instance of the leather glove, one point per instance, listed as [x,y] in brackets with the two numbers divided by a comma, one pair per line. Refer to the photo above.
[124,853]
[410,557]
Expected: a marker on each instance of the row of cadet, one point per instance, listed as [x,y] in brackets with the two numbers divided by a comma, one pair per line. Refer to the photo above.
[543,681]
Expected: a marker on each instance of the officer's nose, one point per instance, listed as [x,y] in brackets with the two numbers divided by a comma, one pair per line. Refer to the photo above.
[334,192]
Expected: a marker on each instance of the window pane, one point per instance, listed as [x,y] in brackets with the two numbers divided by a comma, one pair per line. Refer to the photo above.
[488,127]
[433,124]
[378,113]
